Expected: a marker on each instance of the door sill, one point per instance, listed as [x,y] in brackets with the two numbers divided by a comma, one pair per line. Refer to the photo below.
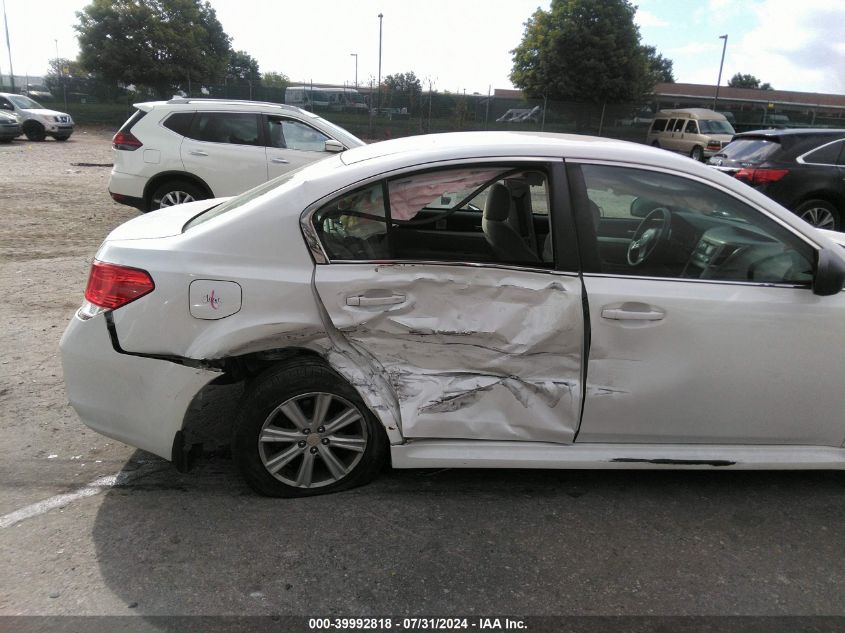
[493,454]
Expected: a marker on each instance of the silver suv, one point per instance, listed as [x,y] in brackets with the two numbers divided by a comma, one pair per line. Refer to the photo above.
[37,121]
[176,151]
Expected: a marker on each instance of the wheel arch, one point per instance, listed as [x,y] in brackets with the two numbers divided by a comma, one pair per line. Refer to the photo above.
[159,179]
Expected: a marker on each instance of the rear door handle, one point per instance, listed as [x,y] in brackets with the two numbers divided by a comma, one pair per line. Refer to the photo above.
[365,301]
[618,314]
[279,160]
[197,152]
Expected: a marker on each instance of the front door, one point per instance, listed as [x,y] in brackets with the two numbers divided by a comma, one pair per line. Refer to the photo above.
[712,334]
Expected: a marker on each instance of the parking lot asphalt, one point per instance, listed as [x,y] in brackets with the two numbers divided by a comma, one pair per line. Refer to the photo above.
[89,526]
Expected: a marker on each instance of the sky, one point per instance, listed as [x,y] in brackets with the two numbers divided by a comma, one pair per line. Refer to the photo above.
[465,45]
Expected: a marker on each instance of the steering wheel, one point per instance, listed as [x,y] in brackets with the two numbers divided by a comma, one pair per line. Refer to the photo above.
[653,230]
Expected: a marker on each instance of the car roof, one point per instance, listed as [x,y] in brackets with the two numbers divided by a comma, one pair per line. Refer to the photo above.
[467,145]
[792,132]
[221,104]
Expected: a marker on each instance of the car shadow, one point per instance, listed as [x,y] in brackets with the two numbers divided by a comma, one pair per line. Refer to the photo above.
[443,542]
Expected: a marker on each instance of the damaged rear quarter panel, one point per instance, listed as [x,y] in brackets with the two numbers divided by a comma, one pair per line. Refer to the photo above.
[473,352]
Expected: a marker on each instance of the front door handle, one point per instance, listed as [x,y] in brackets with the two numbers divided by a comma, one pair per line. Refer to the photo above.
[197,152]
[279,160]
[365,301]
[620,314]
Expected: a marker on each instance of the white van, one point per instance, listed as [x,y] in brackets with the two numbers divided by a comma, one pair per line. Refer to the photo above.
[697,132]
[335,99]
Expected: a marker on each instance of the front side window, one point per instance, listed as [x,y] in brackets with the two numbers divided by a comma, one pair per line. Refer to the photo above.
[226,127]
[291,134]
[692,127]
[478,214]
[679,125]
[681,228]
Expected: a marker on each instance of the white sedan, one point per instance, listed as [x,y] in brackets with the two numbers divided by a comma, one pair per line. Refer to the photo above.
[507,300]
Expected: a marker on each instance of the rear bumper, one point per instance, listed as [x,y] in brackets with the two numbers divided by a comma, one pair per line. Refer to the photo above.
[127,185]
[139,401]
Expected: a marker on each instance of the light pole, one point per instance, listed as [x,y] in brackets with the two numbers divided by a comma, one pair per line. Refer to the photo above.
[380,16]
[9,48]
[722,63]
[355,55]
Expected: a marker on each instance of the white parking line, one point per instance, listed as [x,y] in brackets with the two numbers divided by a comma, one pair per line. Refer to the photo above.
[59,501]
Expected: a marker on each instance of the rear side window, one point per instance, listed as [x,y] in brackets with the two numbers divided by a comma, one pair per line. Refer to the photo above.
[136,116]
[226,127]
[826,155]
[659,125]
[179,122]
[679,125]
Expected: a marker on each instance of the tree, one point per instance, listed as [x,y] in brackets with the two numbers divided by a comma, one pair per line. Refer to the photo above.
[275,80]
[403,90]
[157,43]
[748,81]
[586,51]
[243,68]
[68,74]
[659,68]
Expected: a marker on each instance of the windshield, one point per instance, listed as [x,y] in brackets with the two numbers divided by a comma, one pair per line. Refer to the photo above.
[709,126]
[25,103]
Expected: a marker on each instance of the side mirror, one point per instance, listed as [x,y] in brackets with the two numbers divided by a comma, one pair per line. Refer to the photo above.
[334,146]
[830,274]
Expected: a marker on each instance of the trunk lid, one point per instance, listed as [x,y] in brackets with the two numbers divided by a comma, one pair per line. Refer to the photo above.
[162,222]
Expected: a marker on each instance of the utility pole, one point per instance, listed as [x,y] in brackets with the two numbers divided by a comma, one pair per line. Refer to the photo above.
[355,55]
[722,63]
[9,48]
[380,16]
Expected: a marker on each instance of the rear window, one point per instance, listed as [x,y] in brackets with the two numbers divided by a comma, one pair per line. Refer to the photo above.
[750,150]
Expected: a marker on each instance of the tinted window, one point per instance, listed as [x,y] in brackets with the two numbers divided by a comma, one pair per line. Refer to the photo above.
[659,125]
[692,127]
[826,154]
[679,125]
[683,228]
[474,214]
[136,116]
[180,122]
[750,150]
[226,127]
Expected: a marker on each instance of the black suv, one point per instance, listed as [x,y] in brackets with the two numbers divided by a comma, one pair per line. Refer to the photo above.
[802,169]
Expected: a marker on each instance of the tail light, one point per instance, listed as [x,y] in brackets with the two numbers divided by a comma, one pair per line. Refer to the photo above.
[126,141]
[111,286]
[760,176]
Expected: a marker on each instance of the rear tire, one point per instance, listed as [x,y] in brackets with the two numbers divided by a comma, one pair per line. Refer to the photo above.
[302,430]
[34,131]
[697,154]
[175,192]
[821,214]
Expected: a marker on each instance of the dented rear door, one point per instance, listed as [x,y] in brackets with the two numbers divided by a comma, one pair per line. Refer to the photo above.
[472,350]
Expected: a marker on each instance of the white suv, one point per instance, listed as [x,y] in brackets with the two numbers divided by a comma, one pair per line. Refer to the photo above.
[170,152]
